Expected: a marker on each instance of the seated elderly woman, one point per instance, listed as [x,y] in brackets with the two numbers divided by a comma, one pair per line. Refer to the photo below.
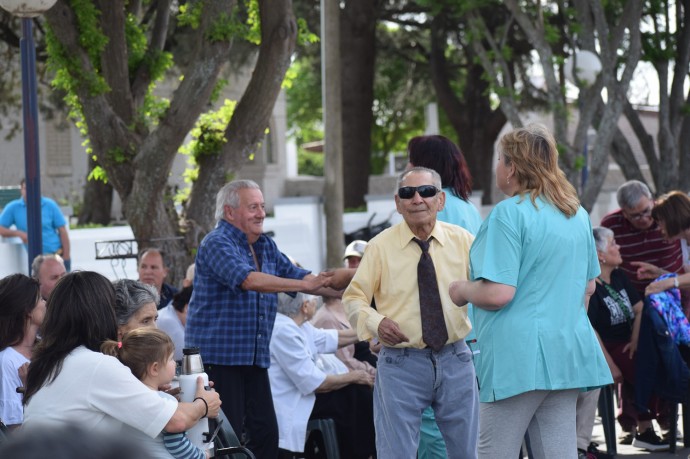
[302,390]
[615,311]
[135,305]
[331,315]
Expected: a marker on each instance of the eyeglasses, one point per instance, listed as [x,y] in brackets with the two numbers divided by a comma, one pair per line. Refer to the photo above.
[640,215]
[425,191]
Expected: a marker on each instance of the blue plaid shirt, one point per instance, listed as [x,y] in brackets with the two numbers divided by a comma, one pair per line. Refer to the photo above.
[232,326]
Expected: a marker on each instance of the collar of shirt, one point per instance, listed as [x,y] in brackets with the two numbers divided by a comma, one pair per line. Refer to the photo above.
[406,235]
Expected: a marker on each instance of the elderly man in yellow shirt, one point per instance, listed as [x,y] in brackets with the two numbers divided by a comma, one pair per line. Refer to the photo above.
[424,360]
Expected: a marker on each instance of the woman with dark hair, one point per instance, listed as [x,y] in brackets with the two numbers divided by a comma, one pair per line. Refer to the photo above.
[70,381]
[21,313]
[533,267]
[672,213]
[442,155]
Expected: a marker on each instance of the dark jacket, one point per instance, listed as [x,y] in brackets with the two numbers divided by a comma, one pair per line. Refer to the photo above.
[659,368]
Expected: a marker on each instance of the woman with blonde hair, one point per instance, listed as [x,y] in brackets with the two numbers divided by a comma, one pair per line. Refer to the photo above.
[533,266]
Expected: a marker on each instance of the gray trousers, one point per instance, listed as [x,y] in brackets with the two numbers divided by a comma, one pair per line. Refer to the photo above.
[586,411]
[408,381]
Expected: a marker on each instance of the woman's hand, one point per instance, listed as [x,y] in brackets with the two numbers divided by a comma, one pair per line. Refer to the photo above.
[659,286]
[211,398]
[362,377]
[616,373]
[455,290]
[630,348]
[647,270]
[22,372]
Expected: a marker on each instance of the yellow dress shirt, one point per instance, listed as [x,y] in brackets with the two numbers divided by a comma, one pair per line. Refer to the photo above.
[388,274]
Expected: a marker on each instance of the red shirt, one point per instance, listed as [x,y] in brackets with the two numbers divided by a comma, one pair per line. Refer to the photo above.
[643,245]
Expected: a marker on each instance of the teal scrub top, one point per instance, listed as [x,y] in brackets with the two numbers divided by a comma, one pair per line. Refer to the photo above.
[460,212]
[542,339]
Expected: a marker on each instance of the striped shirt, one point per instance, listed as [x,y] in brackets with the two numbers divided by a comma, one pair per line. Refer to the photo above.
[232,326]
[180,447]
[642,245]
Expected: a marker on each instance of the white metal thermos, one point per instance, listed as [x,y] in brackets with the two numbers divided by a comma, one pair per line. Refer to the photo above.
[192,368]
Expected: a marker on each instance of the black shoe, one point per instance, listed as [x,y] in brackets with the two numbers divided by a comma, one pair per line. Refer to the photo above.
[650,441]
[666,436]
[594,453]
[626,438]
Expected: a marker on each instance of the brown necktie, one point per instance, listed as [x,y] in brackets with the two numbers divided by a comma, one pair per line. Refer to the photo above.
[434,330]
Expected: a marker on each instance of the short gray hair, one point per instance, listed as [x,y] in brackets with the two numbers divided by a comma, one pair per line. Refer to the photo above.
[229,195]
[630,193]
[290,306]
[434,176]
[601,237]
[130,296]
[38,262]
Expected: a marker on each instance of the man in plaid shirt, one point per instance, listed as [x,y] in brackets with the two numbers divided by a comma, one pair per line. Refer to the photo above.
[239,270]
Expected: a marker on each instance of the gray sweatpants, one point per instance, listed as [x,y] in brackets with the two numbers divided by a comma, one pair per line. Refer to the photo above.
[549,416]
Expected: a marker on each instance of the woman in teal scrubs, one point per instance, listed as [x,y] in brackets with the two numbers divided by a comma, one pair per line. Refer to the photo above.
[533,266]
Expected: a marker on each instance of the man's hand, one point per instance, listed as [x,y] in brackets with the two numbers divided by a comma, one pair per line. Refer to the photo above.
[23,236]
[316,282]
[390,333]
[342,277]
[647,270]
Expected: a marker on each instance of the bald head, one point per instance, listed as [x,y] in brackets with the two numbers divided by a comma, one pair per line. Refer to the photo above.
[48,270]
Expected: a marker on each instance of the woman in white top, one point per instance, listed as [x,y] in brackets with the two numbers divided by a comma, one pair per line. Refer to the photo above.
[301,388]
[21,313]
[70,381]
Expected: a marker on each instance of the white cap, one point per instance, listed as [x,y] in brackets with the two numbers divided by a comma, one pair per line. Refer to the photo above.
[355,249]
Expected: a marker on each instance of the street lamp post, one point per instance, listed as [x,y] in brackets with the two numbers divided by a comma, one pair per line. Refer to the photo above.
[28,9]
[582,69]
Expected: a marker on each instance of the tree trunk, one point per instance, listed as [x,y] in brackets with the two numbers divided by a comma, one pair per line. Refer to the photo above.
[251,116]
[98,201]
[357,57]
[472,117]
[137,155]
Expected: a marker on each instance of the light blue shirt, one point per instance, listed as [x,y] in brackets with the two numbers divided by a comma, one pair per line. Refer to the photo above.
[460,212]
[542,339]
[14,213]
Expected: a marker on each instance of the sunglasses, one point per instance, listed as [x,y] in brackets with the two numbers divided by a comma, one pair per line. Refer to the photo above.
[425,191]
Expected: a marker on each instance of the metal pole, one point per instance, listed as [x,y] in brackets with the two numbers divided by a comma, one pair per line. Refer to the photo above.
[334,194]
[31,152]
